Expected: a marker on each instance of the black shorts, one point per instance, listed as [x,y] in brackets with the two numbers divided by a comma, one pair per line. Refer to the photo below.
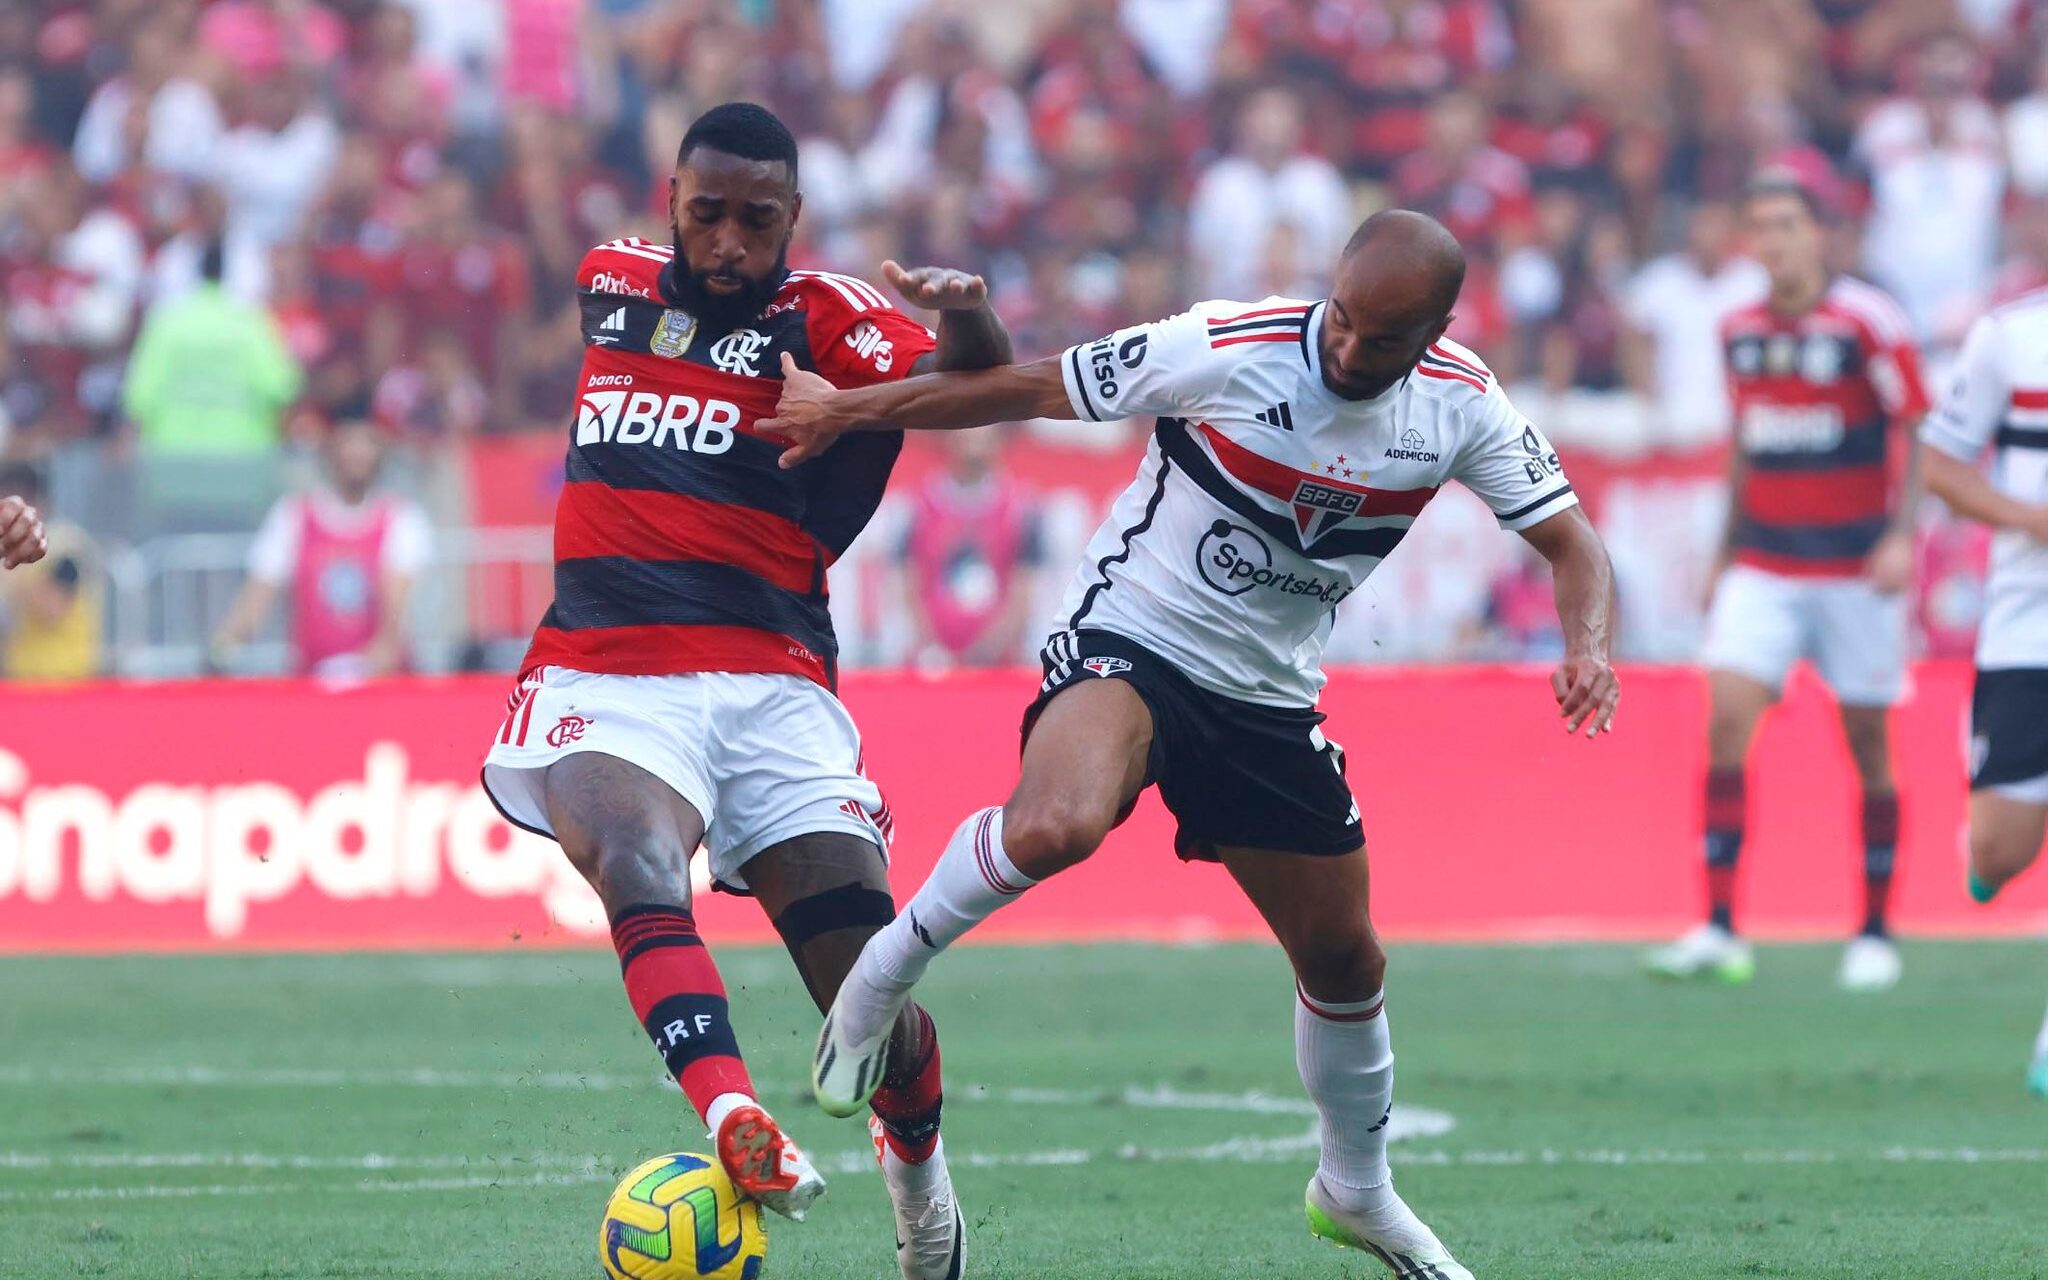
[1233,774]
[2008,727]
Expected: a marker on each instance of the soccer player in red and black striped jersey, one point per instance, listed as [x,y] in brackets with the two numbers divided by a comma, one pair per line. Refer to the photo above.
[1827,391]
[680,689]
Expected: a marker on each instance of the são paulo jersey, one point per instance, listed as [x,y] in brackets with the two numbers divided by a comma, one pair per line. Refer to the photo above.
[1815,397]
[1999,400]
[1264,499]
[680,544]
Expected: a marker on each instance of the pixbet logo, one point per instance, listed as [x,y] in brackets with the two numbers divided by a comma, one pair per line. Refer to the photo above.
[605,282]
[642,417]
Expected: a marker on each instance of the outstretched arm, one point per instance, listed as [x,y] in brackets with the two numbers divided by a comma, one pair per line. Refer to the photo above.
[1585,684]
[970,334]
[813,413]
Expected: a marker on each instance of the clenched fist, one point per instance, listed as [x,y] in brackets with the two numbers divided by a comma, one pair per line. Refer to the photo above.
[21,534]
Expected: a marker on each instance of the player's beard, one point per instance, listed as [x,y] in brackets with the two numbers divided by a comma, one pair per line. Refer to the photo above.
[726,310]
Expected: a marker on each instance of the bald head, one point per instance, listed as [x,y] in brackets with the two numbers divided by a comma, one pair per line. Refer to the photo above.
[1396,283]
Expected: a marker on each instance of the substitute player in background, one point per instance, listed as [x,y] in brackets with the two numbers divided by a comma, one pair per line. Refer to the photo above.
[679,690]
[21,533]
[1818,553]
[1999,402]
[1296,443]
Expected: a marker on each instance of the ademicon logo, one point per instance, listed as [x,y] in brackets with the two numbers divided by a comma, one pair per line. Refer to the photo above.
[233,848]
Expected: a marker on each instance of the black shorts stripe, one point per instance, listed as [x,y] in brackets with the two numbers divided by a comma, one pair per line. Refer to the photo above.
[1123,552]
[612,591]
[1527,507]
[1863,445]
[1178,446]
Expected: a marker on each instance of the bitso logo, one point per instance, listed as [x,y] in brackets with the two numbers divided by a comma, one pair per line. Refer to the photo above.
[739,352]
[567,730]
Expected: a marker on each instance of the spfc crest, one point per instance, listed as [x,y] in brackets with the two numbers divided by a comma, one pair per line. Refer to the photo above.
[1319,507]
[673,334]
[1106,667]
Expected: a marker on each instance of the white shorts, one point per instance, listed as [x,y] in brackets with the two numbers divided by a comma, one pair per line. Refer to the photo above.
[1762,623]
[764,758]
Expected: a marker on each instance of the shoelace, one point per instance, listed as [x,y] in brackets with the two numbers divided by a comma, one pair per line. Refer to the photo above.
[934,1212]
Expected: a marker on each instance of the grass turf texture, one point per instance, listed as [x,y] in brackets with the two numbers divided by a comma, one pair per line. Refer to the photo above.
[465,1115]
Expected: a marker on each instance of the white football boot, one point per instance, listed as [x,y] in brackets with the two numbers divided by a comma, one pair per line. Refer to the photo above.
[1392,1233]
[762,1161]
[931,1236]
[1870,964]
[845,1074]
[1708,951]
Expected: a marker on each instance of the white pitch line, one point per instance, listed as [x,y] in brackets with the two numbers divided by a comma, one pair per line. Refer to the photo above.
[1240,1151]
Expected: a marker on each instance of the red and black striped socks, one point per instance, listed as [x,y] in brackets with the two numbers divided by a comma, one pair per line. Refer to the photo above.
[1727,796]
[680,1000]
[909,1101]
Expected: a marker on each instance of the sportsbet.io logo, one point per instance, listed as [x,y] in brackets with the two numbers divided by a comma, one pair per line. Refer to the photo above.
[1233,559]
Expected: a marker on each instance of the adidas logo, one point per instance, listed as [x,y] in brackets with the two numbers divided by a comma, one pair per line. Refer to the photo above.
[1278,416]
[615,322]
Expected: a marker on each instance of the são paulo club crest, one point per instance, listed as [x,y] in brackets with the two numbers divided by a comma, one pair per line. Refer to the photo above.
[1321,506]
[1106,666]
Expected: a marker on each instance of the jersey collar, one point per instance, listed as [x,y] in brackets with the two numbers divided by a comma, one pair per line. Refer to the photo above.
[1312,356]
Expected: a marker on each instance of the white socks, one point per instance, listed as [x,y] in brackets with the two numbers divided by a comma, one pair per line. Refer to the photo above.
[1346,1057]
[973,878]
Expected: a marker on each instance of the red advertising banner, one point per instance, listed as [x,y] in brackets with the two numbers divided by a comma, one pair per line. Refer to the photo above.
[263,815]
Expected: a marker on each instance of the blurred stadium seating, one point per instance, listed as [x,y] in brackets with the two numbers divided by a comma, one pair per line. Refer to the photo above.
[394,196]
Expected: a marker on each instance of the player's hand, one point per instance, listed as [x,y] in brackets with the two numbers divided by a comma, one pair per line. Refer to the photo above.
[1890,565]
[936,288]
[804,416]
[22,540]
[1587,690]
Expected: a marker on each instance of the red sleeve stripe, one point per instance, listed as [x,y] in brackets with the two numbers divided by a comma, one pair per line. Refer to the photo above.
[2030,399]
[594,519]
[1290,335]
[1430,371]
[1472,367]
[1299,312]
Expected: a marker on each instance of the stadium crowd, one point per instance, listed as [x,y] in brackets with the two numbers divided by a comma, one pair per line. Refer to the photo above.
[228,227]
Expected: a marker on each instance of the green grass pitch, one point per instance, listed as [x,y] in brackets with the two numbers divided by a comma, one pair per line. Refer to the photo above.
[1136,1115]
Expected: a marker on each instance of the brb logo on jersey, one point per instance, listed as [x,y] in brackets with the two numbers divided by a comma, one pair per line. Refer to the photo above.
[739,352]
[642,417]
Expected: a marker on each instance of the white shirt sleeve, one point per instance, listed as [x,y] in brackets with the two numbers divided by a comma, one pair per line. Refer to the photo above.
[408,543]
[274,556]
[1163,369]
[1967,417]
[1510,465]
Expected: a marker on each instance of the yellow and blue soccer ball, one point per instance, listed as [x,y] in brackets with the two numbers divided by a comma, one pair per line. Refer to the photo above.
[678,1217]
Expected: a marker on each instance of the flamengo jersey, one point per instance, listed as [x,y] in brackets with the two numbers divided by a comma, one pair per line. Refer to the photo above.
[1814,395]
[1999,399]
[1264,500]
[679,543]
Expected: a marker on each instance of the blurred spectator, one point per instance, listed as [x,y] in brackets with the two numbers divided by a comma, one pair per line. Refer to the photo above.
[272,166]
[50,611]
[210,374]
[437,398]
[1672,350]
[2026,135]
[455,272]
[1937,177]
[2026,266]
[971,556]
[1459,177]
[154,112]
[256,39]
[345,558]
[1269,217]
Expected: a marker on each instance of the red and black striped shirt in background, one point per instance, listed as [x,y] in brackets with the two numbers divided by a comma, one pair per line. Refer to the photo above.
[680,545]
[1819,399]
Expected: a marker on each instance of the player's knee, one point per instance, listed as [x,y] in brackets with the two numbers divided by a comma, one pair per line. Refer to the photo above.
[1042,838]
[1870,748]
[1348,966]
[631,864]
[1995,857]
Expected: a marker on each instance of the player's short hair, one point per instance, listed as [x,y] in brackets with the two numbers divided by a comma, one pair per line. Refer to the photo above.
[1784,182]
[744,129]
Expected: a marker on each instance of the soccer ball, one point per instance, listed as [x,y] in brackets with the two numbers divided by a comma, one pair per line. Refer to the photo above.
[678,1217]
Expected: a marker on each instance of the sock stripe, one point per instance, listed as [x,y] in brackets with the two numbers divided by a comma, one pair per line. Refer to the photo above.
[1332,1013]
[641,929]
[984,857]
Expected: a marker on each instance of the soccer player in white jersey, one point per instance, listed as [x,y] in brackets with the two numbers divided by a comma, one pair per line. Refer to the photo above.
[1296,442]
[1999,402]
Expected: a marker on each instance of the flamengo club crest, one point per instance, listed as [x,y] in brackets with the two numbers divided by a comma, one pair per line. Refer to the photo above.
[673,333]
